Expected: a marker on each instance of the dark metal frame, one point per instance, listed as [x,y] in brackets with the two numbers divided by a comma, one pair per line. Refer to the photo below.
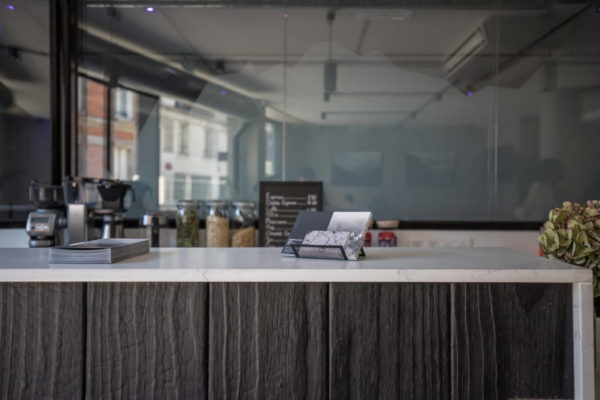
[109,131]
[63,87]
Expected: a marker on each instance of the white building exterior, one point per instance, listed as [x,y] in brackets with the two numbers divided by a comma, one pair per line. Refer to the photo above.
[193,154]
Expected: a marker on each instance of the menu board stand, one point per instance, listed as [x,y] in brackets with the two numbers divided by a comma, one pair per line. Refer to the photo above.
[279,205]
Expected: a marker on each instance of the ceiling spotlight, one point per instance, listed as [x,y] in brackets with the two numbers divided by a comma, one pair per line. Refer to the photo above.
[220,67]
[14,54]
[150,9]
[113,14]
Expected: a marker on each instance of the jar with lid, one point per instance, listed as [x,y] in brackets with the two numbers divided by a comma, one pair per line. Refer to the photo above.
[217,223]
[242,221]
[187,223]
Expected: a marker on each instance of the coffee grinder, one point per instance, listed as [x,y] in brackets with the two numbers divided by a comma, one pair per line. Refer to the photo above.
[45,226]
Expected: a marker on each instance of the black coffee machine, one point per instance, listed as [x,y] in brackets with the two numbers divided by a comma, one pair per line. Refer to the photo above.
[90,199]
[113,206]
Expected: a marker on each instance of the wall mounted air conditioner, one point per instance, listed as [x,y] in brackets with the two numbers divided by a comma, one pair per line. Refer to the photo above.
[474,43]
[505,50]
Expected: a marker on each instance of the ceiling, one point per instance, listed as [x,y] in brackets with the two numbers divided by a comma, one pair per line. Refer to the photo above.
[389,61]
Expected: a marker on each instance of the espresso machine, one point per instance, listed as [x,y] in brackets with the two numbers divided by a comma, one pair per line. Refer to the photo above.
[95,202]
[81,196]
[46,225]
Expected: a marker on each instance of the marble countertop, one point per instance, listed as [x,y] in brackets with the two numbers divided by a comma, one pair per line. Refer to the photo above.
[268,265]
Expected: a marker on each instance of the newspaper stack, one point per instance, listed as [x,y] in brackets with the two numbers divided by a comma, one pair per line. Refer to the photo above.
[101,251]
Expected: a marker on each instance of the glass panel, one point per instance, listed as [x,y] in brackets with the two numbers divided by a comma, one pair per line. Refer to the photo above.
[273,149]
[92,120]
[124,132]
[25,137]
[548,111]
[483,111]
[387,125]
[135,144]
[201,137]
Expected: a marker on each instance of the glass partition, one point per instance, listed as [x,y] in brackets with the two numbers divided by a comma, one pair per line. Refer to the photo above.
[482,112]
[25,131]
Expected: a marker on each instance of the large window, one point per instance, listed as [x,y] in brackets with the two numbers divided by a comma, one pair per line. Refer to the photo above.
[118,138]
[123,104]
[198,170]
[25,130]
[483,111]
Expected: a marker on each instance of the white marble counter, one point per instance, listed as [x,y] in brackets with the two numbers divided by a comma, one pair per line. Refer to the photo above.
[267,265]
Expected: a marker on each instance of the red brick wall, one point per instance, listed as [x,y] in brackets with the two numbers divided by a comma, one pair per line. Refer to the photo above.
[95,121]
[96,99]
[95,161]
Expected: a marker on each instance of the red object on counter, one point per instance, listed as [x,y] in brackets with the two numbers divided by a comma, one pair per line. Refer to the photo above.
[368,239]
[388,239]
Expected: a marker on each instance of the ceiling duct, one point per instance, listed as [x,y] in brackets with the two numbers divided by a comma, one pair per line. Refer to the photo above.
[120,66]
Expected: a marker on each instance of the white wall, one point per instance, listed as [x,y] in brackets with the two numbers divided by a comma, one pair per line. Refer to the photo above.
[466,199]
[525,241]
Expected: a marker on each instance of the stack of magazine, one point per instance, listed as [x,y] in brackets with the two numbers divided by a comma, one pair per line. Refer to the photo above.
[101,251]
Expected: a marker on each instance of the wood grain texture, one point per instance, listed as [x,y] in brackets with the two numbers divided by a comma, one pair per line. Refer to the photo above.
[268,341]
[511,341]
[41,340]
[146,340]
[389,341]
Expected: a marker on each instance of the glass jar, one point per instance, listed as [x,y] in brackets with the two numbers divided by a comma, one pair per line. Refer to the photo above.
[242,221]
[187,222]
[217,224]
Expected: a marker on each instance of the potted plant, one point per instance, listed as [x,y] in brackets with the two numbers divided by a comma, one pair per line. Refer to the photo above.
[572,234]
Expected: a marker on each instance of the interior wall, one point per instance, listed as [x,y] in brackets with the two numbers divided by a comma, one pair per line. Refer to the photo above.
[465,198]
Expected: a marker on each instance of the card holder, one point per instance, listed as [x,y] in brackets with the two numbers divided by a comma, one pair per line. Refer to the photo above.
[340,254]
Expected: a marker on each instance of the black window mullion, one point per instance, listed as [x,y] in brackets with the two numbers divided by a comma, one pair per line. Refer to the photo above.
[109,132]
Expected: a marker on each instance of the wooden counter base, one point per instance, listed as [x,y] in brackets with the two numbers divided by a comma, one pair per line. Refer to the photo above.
[286,340]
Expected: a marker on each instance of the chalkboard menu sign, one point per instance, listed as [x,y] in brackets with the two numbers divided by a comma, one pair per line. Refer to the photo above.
[280,203]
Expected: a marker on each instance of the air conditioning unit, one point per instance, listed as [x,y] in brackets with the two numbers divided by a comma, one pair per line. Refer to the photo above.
[472,45]
[505,50]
